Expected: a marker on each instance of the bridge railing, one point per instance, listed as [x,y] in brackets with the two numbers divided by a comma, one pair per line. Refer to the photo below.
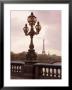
[47,71]
[17,69]
[40,71]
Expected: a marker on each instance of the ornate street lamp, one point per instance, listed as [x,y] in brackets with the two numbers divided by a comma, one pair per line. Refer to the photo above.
[31,55]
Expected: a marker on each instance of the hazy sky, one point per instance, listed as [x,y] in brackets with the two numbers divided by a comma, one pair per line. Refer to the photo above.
[50,21]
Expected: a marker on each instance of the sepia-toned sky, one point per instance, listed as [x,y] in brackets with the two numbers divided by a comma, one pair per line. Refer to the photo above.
[50,21]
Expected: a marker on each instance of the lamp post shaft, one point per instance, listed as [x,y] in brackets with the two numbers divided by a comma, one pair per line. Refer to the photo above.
[31,43]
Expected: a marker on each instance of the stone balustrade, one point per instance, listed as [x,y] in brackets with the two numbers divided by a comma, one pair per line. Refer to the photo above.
[39,70]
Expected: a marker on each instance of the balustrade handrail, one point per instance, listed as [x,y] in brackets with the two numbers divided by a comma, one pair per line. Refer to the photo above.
[17,62]
[47,65]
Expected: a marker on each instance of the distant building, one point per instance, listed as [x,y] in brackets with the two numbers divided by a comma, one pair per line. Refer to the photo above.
[43,51]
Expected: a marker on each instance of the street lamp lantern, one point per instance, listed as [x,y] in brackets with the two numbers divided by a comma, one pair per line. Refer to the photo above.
[25,29]
[32,19]
[31,55]
[38,27]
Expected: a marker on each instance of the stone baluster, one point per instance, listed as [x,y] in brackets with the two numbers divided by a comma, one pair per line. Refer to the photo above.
[49,72]
[53,72]
[56,72]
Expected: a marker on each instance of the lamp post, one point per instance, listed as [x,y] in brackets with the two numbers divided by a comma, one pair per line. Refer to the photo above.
[32,20]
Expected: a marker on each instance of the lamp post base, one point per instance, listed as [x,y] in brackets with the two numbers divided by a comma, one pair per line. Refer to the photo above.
[29,64]
[31,55]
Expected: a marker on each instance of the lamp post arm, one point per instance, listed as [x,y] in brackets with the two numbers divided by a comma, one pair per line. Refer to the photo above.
[36,33]
[26,34]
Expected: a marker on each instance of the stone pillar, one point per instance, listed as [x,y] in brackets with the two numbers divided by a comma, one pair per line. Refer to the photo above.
[29,69]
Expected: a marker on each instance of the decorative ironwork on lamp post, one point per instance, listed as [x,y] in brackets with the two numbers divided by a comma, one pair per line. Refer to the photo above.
[31,55]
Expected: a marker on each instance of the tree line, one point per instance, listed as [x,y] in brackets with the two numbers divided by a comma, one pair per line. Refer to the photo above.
[40,57]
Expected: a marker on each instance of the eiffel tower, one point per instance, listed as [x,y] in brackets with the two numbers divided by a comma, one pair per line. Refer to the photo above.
[43,51]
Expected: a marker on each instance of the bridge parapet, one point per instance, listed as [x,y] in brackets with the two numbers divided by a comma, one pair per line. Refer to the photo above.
[36,71]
